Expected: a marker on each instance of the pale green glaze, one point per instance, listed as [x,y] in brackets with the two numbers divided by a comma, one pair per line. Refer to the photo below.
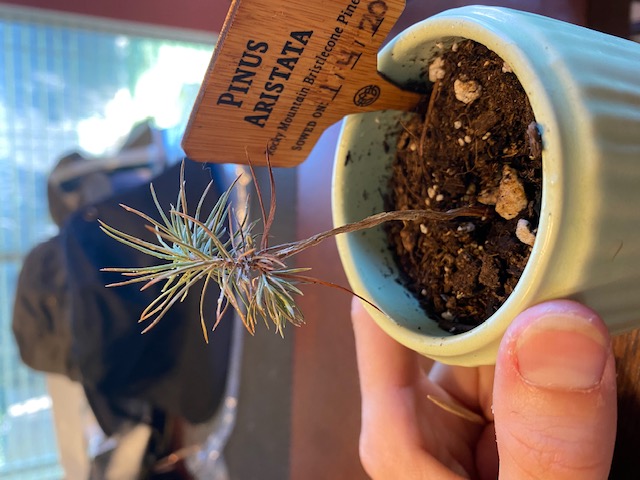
[584,88]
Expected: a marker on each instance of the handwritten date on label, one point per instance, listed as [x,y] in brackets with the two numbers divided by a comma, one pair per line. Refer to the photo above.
[283,71]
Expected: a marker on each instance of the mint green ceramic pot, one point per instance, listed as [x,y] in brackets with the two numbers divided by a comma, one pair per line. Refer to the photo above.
[584,88]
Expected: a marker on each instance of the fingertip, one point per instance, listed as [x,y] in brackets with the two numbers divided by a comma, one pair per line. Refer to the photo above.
[556,308]
[559,344]
[554,393]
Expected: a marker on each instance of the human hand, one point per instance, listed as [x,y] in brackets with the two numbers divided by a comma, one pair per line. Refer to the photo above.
[549,403]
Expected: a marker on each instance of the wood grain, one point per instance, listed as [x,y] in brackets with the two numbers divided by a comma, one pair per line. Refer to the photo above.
[325,406]
[284,71]
[626,461]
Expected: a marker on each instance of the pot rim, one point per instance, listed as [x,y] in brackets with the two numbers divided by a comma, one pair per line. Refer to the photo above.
[501,30]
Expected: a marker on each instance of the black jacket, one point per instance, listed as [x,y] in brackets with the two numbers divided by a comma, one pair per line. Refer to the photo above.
[66,321]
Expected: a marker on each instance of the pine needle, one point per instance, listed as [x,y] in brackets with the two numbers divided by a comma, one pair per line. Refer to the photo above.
[253,278]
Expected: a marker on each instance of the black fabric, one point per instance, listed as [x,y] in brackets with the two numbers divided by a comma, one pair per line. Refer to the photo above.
[66,321]
[170,367]
[40,322]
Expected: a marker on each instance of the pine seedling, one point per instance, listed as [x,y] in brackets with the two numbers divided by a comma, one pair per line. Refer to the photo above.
[227,249]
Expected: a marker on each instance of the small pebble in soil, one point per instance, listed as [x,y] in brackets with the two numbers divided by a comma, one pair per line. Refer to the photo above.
[462,271]
[511,196]
[467,91]
[436,70]
[524,233]
[535,142]
[447,315]
[467,227]
[488,196]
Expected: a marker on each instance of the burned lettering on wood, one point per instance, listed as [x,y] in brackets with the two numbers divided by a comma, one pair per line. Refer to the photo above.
[277,92]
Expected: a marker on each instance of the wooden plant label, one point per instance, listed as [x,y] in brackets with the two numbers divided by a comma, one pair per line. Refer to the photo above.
[283,71]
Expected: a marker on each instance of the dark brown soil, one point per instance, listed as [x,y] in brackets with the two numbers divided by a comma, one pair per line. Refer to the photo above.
[460,154]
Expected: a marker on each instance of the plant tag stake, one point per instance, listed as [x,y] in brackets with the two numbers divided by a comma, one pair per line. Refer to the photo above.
[285,70]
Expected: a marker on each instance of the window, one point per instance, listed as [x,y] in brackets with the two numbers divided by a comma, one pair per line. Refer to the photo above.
[68,83]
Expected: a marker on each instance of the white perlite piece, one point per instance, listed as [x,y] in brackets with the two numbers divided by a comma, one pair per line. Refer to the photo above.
[466,91]
[436,70]
[511,196]
[447,315]
[524,234]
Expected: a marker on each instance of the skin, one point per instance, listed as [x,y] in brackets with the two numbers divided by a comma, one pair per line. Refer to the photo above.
[543,419]
[538,431]
[550,409]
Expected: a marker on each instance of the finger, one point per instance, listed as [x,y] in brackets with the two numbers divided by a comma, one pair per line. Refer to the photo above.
[555,395]
[382,362]
[472,387]
[391,441]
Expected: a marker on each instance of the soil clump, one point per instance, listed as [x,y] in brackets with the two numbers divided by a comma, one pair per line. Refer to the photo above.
[476,144]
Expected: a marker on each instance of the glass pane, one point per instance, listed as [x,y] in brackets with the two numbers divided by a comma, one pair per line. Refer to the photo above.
[67,87]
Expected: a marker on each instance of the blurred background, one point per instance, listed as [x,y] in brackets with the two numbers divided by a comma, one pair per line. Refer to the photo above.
[77,76]
[76,80]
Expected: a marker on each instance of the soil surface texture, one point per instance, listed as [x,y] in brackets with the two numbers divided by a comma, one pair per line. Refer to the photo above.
[476,143]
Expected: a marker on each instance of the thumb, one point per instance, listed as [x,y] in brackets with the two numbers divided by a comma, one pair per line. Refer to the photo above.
[555,395]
